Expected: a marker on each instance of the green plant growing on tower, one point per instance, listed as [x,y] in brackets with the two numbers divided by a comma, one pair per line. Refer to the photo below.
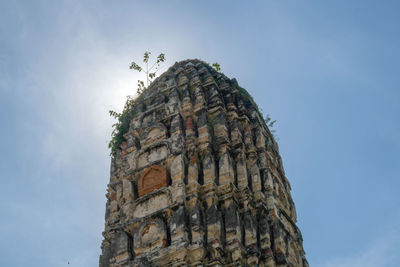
[216,66]
[150,72]
[129,111]
[269,122]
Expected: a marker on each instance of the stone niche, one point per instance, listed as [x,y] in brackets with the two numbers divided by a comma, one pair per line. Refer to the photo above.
[154,177]
[154,133]
[152,154]
[151,235]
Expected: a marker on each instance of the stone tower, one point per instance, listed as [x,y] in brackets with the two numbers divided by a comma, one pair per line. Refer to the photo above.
[199,180]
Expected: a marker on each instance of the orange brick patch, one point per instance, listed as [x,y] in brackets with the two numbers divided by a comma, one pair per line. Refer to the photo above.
[153,178]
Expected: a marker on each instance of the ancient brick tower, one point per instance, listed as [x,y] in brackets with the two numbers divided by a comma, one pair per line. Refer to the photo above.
[199,180]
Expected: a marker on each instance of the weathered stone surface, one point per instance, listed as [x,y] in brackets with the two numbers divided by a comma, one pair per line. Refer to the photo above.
[199,180]
[178,169]
[151,205]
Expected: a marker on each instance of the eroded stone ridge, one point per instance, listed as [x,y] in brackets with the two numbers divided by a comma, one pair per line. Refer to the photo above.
[199,180]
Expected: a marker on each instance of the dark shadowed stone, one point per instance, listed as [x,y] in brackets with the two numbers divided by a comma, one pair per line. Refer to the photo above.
[202,120]
[195,216]
[105,257]
[178,217]
[144,262]
[263,225]
[212,215]
[231,216]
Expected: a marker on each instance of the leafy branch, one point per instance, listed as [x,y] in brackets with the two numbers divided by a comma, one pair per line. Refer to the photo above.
[130,109]
[216,66]
[268,121]
[150,72]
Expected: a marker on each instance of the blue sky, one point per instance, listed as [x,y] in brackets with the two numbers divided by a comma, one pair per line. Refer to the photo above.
[327,71]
